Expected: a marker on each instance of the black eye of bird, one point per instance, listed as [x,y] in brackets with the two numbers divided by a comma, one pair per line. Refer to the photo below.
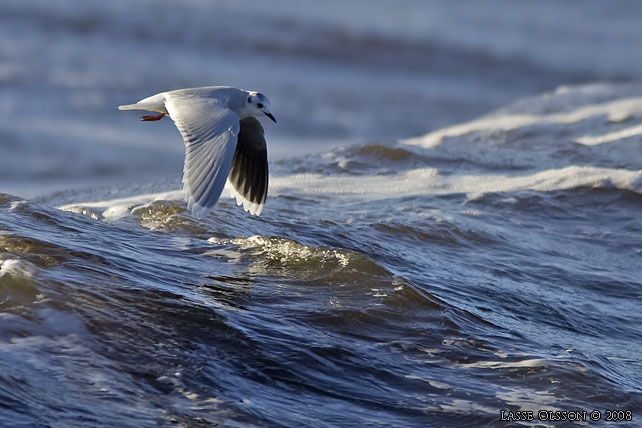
[259,105]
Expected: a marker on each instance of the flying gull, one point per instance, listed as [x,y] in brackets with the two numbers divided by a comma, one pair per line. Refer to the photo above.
[223,141]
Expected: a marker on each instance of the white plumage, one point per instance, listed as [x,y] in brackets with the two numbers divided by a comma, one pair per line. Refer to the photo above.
[223,141]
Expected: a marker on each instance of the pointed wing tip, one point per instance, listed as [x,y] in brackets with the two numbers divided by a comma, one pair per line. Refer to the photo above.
[255,211]
[199,211]
[253,208]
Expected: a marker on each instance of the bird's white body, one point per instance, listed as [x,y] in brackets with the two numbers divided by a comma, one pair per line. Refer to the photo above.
[223,140]
[230,98]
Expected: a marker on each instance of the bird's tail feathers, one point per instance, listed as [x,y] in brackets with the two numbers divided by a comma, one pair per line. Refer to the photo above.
[144,106]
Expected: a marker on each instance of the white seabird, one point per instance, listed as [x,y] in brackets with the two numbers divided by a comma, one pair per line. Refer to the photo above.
[223,141]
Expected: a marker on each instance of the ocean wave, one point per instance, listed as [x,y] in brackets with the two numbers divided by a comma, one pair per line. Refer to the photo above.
[428,181]
[121,207]
[153,213]
[487,265]
[508,119]
[438,233]
[17,268]
[351,281]
[17,285]
[288,257]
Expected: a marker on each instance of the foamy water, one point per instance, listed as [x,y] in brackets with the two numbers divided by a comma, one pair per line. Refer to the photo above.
[436,246]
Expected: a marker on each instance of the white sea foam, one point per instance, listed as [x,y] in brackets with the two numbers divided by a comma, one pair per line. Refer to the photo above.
[434,383]
[287,251]
[614,111]
[527,399]
[466,407]
[532,363]
[504,123]
[113,209]
[422,181]
[429,181]
[17,268]
[593,140]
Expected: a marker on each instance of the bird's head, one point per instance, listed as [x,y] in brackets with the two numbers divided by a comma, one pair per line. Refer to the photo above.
[258,105]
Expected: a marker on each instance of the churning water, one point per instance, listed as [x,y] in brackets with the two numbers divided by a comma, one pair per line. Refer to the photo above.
[491,265]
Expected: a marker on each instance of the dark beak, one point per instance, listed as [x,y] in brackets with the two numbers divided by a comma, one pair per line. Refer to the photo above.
[271,117]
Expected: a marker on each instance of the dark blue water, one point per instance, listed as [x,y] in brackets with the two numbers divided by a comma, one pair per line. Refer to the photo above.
[492,264]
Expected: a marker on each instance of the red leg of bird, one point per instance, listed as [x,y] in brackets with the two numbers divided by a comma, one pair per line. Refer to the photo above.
[150,118]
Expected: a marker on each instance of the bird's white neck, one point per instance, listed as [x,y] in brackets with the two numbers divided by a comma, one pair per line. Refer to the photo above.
[247,111]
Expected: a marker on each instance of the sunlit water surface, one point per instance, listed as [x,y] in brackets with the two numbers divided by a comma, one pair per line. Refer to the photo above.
[493,265]
[390,281]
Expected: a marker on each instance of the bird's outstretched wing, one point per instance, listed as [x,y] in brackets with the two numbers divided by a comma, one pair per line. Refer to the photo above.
[210,133]
[249,173]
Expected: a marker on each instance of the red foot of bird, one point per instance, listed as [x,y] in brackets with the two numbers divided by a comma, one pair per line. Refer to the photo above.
[150,118]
